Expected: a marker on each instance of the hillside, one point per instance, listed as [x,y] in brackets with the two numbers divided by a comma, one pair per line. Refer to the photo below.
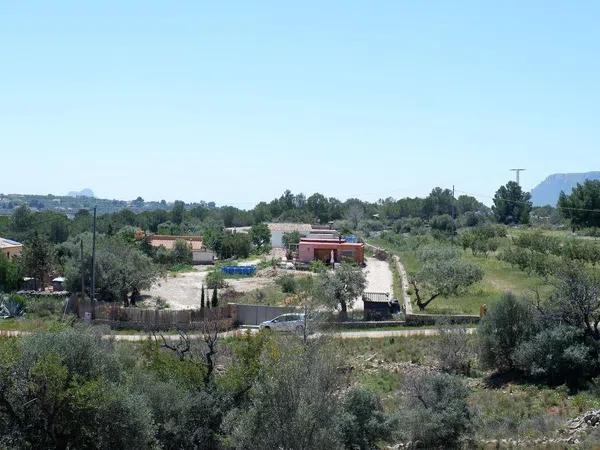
[547,192]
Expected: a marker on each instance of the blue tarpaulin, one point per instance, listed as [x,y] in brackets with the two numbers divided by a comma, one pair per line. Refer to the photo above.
[239,270]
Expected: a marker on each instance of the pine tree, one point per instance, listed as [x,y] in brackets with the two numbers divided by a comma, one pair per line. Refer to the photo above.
[202,298]
[215,300]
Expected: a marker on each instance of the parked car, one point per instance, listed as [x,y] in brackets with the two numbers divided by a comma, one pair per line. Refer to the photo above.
[285,322]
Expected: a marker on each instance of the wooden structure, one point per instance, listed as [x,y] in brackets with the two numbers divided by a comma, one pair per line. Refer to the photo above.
[117,316]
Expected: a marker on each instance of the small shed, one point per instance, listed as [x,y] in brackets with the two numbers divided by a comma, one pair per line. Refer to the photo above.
[379,306]
[58,284]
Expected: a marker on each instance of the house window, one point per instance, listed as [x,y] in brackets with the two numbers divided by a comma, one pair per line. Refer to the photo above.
[347,254]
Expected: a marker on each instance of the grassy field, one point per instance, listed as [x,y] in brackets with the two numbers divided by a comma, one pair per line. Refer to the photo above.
[499,277]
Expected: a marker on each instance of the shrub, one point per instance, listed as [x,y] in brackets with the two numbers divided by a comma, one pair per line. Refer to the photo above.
[508,323]
[287,283]
[437,252]
[182,252]
[557,355]
[454,351]
[364,423]
[436,412]
[163,256]
[293,402]
[412,225]
[444,223]
[44,307]
[215,279]
[317,266]
[471,219]
[10,274]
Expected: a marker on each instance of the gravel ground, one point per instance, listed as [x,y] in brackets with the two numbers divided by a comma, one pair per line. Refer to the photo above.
[379,279]
[379,276]
[183,290]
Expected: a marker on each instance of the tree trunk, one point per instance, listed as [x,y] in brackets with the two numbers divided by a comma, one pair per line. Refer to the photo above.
[423,305]
[343,311]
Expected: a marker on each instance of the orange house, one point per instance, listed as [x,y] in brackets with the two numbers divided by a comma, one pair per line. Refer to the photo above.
[327,250]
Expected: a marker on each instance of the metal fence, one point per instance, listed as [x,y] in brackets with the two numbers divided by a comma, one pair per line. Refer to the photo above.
[256,314]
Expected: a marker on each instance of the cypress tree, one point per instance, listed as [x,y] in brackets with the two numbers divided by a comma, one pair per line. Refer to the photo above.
[202,298]
[215,300]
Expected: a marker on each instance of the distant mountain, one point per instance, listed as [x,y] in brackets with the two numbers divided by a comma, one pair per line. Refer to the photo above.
[83,193]
[548,191]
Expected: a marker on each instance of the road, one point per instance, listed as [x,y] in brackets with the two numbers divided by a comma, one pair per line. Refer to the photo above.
[358,334]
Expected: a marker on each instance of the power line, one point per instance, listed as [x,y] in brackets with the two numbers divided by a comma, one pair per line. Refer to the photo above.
[527,203]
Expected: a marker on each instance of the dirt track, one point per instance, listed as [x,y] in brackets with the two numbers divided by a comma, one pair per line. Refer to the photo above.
[379,279]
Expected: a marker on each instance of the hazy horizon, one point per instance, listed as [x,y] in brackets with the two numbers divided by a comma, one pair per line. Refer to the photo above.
[236,103]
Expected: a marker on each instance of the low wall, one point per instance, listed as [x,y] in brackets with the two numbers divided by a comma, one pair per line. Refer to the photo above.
[434,319]
[362,324]
[256,314]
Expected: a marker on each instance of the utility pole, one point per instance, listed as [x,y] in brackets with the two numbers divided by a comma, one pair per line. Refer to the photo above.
[517,171]
[453,208]
[93,293]
[82,270]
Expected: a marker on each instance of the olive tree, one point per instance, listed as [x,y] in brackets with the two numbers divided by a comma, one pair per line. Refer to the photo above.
[340,288]
[443,277]
[293,403]
[121,268]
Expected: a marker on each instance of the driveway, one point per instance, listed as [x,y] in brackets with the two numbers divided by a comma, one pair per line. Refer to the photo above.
[379,279]
[379,276]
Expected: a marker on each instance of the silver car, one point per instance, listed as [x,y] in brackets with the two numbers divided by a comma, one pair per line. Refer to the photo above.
[285,322]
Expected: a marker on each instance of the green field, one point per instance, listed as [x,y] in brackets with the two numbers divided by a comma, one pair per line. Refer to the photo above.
[499,277]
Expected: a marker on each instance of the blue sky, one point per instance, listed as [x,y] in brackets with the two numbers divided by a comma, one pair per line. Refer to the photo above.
[237,101]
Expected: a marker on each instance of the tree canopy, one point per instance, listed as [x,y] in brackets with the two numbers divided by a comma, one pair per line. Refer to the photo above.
[582,206]
[511,204]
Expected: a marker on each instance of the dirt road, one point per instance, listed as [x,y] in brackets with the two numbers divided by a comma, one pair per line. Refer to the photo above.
[359,334]
[365,334]
[379,279]
[379,276]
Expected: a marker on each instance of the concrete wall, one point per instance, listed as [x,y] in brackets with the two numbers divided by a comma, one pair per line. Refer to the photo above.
[255,314]
[306,253]
[277,239]
[12,252]
[203,257]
